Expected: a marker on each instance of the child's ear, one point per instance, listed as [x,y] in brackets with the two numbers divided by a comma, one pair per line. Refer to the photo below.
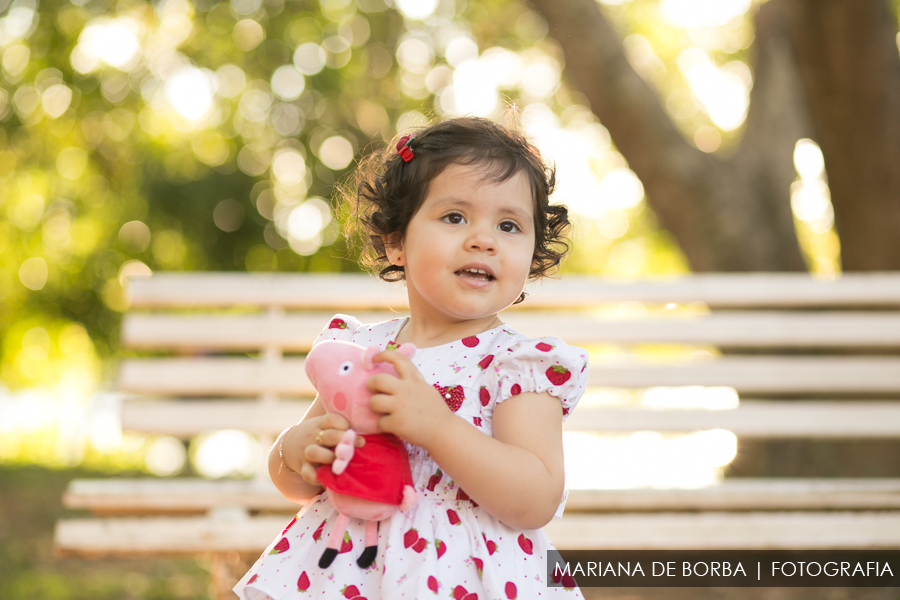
[393,249]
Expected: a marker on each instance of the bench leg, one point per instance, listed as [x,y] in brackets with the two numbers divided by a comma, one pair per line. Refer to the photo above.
[219,571]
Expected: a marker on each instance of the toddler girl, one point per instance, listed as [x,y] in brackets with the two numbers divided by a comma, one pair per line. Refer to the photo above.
[461,213]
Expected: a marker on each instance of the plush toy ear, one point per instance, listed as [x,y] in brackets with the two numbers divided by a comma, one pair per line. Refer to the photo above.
[407,350]
[368,355]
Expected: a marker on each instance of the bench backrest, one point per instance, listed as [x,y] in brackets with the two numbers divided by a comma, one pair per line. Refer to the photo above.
[227,348]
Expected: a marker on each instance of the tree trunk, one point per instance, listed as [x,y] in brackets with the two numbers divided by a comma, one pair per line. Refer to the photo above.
[850,70]
[727,213]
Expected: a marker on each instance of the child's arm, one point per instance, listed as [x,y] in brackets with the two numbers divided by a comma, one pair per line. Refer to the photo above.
[517,475]
[293,470]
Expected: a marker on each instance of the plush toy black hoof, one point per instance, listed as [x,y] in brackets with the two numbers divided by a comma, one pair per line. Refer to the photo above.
[367,557]
[327,557]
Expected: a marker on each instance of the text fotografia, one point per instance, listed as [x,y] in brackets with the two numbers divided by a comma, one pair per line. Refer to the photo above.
[715,568]
[725,568]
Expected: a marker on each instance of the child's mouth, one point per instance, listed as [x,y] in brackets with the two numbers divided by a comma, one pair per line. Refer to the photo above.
[479,274]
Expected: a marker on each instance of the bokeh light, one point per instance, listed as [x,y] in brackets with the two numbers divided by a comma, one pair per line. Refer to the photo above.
[228,215]
[255,104]
[415,54]
[33,273]
[36,343]
[808,159]
[131,269]
[289,167]
[230,81]
[702,13]
[647,459]
[190,92]
[309,58]
[166,456]
[112,41]
[474,90]
[288,83]
[460,49]
[248,34]
[540,78]
[417,9]
[71,162]
[336,152]
[225,453]
[723,92]
[135,235]
[691,397]
[813,211]
[621,188]
[19,21]
[56,99]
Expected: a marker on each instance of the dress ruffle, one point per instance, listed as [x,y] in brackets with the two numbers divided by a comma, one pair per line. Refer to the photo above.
[540,365]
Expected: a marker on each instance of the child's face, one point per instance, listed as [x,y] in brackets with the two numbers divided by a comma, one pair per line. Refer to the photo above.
[467,251]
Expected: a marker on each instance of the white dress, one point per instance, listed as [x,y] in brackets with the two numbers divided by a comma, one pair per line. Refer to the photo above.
[446,546]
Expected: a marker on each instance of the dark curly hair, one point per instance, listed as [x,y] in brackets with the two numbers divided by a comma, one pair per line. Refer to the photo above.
[389,190]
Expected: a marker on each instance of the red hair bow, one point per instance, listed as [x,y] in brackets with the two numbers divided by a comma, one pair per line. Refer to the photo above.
[403,147]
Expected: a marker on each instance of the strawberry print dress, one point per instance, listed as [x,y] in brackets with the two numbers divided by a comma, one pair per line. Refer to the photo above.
[446,546]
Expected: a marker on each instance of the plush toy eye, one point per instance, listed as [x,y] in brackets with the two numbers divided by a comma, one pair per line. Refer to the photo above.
[345,367]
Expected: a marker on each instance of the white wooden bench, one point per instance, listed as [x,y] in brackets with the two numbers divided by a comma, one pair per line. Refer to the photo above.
[821,359]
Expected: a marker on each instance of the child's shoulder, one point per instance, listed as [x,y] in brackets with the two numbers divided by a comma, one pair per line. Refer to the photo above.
[515,352]
[350,329]
[542,364]
[519,344]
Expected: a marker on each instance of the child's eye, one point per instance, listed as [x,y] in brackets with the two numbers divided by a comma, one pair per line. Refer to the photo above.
[454,218]
[509,227]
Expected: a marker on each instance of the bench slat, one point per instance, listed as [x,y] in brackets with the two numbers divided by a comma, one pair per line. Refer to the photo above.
[752,418]
[296,332]
[146,495]
[136,536]
[355,292]
[746,494]
[732,290]
[224,376]
[721,531]
[106,496]
[760,374]
[186,418]
[748,374]
[743,329]
[287,290]
[120,536]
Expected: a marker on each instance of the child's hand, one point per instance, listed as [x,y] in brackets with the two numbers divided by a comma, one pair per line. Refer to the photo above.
[412,408]
[313,448]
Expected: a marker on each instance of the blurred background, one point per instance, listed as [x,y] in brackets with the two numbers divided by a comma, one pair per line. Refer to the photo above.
[725,135]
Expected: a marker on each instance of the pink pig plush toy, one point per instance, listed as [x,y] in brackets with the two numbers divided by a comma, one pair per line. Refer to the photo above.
[372,482]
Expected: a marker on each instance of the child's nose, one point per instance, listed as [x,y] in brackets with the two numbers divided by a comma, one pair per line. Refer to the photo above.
[482,239]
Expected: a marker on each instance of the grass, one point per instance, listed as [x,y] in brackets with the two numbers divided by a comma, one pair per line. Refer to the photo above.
[30,504]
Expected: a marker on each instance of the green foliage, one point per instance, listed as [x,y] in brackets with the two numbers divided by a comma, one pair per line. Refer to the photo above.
[97,171]
[172,135]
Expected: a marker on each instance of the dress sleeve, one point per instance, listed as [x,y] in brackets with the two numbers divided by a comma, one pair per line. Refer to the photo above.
[340,327]
[542,365]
